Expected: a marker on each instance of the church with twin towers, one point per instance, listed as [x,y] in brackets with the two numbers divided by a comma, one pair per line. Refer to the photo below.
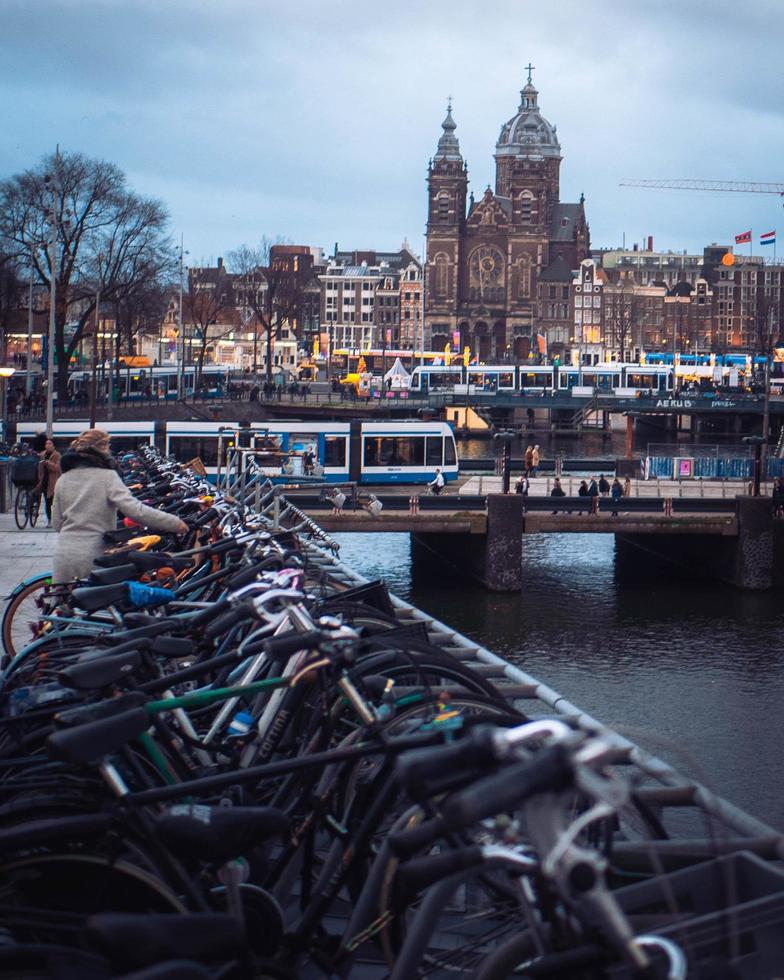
[499,267]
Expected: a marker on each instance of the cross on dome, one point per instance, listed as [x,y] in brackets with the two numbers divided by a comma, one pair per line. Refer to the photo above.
[529,68]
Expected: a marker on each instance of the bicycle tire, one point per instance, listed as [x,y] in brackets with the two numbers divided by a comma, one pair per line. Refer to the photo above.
[33,508]
[12,633]
[20,509]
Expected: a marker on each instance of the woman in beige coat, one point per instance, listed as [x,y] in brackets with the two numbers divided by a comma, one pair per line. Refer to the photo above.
[86,500]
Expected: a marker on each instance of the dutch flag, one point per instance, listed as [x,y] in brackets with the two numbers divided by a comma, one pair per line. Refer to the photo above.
[769,238]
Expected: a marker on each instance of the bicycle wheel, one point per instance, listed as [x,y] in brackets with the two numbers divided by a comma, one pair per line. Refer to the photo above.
[21,513]
[22,616]
[33,507]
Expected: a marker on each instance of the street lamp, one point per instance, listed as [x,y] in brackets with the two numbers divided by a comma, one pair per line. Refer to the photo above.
[5,374]
[95,342]
[181,346]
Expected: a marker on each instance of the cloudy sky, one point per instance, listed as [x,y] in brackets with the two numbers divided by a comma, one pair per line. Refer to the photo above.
[315,121]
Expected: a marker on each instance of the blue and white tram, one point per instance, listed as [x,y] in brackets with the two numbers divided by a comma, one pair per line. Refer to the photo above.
[125,436]
[162,381]
[365,452]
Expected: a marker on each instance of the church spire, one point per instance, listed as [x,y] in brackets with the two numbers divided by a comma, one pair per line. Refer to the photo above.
[528,93]
[448,146]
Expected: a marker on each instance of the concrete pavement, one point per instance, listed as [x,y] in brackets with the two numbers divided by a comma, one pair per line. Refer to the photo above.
[23,553]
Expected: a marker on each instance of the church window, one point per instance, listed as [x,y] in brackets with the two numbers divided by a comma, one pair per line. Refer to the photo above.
[443,206]
[526,206]
[442,271]
[523,278]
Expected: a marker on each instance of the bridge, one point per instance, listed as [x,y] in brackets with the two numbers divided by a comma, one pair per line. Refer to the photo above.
[483,536]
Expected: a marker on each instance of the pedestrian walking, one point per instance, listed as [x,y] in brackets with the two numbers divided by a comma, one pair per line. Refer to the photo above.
[557,491]
[627,487]
[86,500]
[528,458]
[523,486]
[536,458]
[604,486]
[616,491]
[48,474]
[582,491]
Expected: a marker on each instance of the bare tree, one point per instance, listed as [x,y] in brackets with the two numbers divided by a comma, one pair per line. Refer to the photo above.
[86,205]
[623,310]
[10,292]
[209,308]
[272,287]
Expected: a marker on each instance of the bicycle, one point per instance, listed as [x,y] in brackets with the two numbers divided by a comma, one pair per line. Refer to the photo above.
[26,507]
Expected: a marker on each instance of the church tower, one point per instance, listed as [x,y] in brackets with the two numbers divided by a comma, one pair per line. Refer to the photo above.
[527,165]
[447,186]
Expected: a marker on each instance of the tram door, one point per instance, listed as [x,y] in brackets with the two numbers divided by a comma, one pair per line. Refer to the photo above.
[355,451]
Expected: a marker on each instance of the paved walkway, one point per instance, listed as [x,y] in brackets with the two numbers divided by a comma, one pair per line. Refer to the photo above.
[22,553]
[542,485]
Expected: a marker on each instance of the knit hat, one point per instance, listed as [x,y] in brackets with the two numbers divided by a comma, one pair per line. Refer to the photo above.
[95,439]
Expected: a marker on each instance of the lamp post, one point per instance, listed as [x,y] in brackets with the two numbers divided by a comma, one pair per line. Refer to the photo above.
[29,365]
[5,374]
[506,438]
[51,248]
[95,344]
[181,345]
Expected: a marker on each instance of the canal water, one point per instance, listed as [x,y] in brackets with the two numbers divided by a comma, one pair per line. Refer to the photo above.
[692,671]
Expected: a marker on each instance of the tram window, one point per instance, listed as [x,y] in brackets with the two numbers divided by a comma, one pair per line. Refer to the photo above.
[394,451]
[125,444]
[450,457]
[433,450]
[334,450]
[506,380]
[188,447]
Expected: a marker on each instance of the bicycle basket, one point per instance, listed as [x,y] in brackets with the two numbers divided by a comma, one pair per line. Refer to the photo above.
[24,470]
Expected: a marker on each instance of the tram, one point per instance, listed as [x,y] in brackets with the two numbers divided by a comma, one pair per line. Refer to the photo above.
[360,451]
[125,436]
[623,380]
[162,382]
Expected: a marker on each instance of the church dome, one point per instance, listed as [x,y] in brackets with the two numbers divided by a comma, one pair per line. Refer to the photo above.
[528,133]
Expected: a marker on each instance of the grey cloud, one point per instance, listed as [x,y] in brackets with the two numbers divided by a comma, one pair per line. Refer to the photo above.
[316,122]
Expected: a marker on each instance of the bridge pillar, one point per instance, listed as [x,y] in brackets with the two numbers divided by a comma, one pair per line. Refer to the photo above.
[496,558]
[753,559]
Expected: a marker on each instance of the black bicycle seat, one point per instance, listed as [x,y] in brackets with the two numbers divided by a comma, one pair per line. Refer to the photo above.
[148,561]
[90,742]
[99,597]
[114,558]
[111,576]
[139,940]
[99,672]
[172,646]
[85,713]
[217,834]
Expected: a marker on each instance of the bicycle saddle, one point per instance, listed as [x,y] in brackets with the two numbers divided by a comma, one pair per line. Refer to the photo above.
[217,834]
[111,576]
[92,598]
[84,713]
[92,741]
[148,561]
[100,672]
[140,940]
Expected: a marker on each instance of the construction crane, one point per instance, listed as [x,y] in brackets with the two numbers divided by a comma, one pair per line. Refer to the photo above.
[737,186]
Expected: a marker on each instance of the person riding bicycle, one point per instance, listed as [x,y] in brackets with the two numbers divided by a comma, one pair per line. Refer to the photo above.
[437,485]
